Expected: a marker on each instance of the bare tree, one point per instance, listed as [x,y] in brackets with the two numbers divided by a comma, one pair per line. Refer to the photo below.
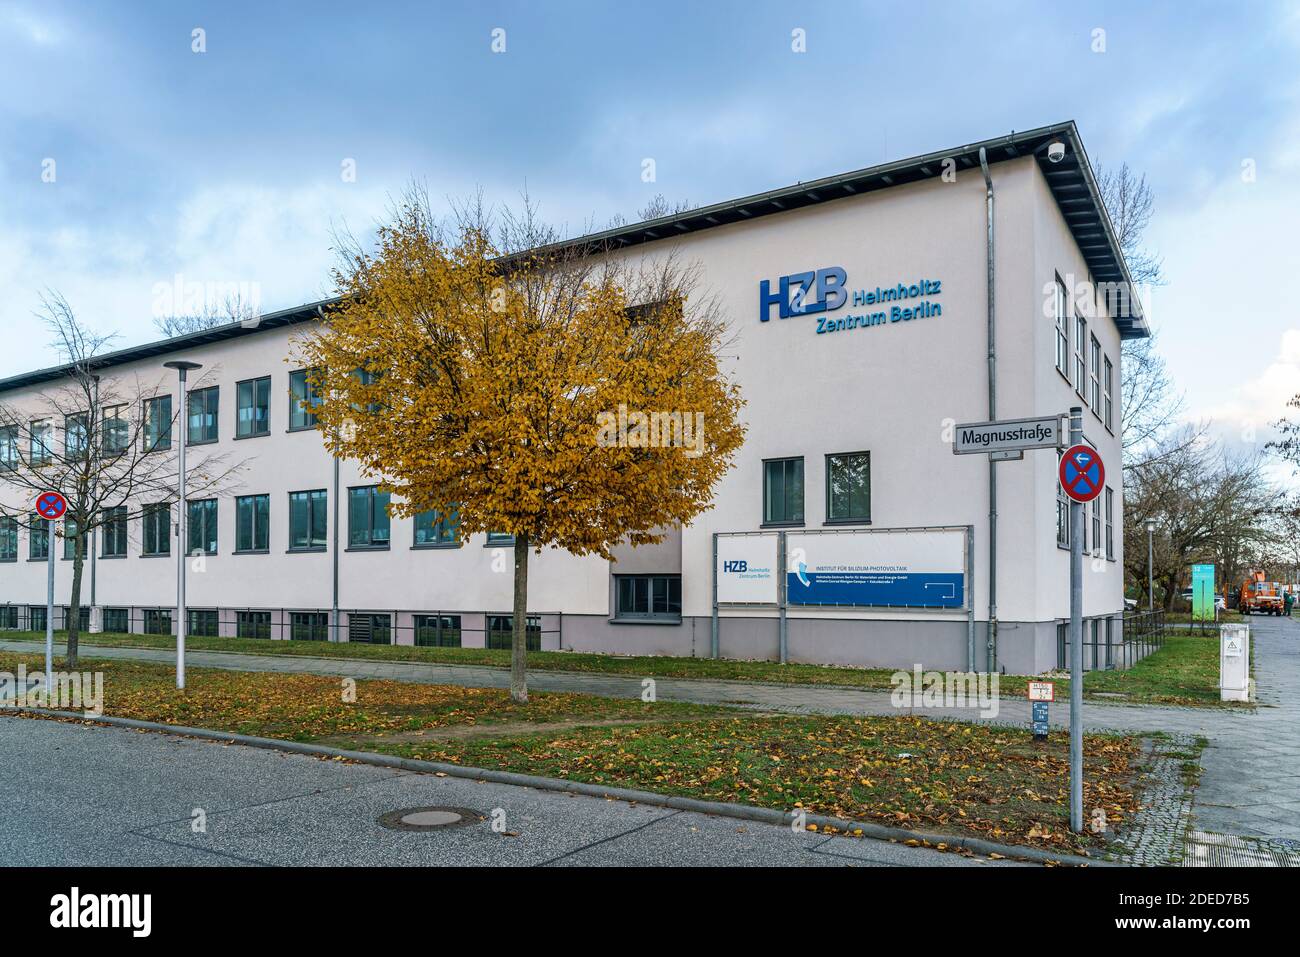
[1131,204]
[234,308]
[658,207]
[115,456]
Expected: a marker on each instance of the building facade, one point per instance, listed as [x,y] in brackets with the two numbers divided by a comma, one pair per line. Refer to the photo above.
[860,310]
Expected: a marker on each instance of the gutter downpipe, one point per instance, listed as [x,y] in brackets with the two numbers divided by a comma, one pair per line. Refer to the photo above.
[334,539]
[992,653]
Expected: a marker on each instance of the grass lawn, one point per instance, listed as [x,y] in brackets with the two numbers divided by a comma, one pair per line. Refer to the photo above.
[904,771]
[1185,672]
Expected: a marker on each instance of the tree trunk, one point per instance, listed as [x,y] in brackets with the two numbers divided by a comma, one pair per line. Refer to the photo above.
[519,639]
[73,623]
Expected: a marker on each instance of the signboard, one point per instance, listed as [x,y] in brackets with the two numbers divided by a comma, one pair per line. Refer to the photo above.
[1081,473]
[1202,593]
[898,568]
[51,505]
[1008,435]
[746,569]
[1040,719]
[1042,691]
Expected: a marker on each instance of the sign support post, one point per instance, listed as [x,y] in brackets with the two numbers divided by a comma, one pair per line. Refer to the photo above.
[1076,641]
[713,630]
[49,610]
[782,585]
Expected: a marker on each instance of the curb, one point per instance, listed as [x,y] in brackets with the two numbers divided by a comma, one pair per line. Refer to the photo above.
[742,812]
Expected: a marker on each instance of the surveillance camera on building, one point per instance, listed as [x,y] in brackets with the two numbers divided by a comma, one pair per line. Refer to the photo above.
[1056,151]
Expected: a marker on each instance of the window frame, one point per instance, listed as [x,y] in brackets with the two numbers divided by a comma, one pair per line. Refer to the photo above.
[852,519]
[11,456]
[114,419]
[309,621]
[212,414]
[438,525]
[153,437]
[313,496]
[45,429]
[1110,523]
[1081,356]
[257,619]
[9,525]
[650,580]
[207,505]
[252,384]
[70,452]
[372,508]
[441,628]
[1062,320]
[264,528]
[149,515]
[768,521]
[304,404]
[1108,394]
[114,532]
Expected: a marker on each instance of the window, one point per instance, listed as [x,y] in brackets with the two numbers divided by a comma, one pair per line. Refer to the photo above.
[365,378]
[437,631]
[158,423]
[252,523]
[202,622]
[370,629]
[309,626]
[117,621]
[8,538]
[1110,523]
[9,617]
[157,520]
[1080,355]
[1062,314]
[848,487]
[38,540]
[75,436]
[307,520]
[432,530]
[70,538]
[113,533]
[83,617]
[157,621]
[9,457]
[36,617]
[41,448]
[253,407]
[500,538]
[368,525]
[1094,376]
[1094,508]
[115,431]
[501,632]
[648,596]
[783,491]
[1107,393]
[302,401]
[201,527]
[253,624]
[1062,515]
[201,421]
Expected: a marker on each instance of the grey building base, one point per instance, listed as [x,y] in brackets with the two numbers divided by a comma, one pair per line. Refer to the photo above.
[1023,647]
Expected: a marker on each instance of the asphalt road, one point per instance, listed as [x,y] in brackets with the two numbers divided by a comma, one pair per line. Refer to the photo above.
[84,795]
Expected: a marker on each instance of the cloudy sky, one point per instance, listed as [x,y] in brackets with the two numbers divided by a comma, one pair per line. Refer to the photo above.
[128,159]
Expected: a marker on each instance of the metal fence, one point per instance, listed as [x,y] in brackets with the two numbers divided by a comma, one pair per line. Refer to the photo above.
[1114,642]
[457,629]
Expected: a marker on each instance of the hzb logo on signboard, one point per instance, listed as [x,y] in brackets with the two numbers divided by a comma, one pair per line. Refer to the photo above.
[737,566]
[794,293]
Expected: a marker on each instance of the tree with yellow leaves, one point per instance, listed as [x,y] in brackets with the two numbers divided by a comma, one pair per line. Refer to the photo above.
[558,392]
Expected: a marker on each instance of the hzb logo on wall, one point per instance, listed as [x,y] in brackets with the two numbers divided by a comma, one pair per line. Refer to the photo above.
[736,566]
[824,290]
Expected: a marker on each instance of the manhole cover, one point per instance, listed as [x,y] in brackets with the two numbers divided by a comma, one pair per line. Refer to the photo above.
[429,818]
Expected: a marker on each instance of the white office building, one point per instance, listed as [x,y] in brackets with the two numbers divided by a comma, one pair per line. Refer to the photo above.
[872,311]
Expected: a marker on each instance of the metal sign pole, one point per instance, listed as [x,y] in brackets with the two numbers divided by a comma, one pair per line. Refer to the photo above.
[1076,641]
[713,632]
[783,636]
[49,610]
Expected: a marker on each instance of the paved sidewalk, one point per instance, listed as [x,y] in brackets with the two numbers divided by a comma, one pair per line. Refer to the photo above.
[1250,786]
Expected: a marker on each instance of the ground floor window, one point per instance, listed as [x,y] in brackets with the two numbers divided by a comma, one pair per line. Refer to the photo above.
[501,629]
[117,621]
[253,624]
[83,617]
[374,629]
[36,618]
[309,626]
[9,617]
[203,623]
[649,596]
[157,621]
[437,631]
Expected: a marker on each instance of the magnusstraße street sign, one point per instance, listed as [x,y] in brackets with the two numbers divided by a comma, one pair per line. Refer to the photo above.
[1007,435]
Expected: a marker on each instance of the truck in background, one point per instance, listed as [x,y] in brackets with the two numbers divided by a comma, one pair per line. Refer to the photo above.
[1260,596]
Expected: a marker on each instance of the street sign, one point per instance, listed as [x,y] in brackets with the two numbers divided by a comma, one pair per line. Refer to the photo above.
[1040,719]
[1008,435]
[51,505]
[1081,472]
[1042,691]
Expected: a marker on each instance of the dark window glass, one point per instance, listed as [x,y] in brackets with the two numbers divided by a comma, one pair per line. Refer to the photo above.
[371,629]
[9,617]
[113,532]
[158,423]
[38,539]
[307,520]
[201,527]
[9,453]
[437,631]
[848,487]
[253,407]
[41,445]
[253,624]
[368,524]
[8,538]
[302,401]
[70,538]
[116,430]
[501,632]
[783,491]
[500,538]
[309,626]
[117,621]
[202,622]
[36,618]
[648,596]
[432,529]
[75,436]
[157,621]
[157,537]
[202,419]
[252,523]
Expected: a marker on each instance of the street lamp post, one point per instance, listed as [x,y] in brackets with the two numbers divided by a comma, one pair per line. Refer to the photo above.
[1151,567]
[181,367]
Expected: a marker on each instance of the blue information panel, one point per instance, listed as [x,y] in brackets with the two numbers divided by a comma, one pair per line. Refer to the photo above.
[1040,719]
[881,568]
[901,589]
